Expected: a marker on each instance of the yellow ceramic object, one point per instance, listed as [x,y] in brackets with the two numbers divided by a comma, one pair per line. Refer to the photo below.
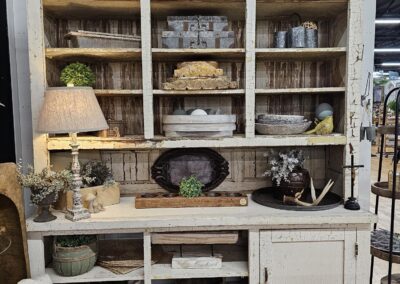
[324,127]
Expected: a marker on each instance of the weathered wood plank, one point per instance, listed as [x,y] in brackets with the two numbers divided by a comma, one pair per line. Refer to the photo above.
[160,201]
[209,238]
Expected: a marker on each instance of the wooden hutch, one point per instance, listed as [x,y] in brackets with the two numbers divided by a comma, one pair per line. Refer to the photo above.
[283,246]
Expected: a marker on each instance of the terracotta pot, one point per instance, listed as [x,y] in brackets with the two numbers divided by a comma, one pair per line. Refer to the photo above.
[73,261]
[44,206]
[299,179]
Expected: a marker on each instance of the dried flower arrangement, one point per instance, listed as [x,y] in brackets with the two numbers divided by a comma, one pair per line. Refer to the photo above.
[283,163]
[44,183]
[77,74]
[190,187]
[96,173]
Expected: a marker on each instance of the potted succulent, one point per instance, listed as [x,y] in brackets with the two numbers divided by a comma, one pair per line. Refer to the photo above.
[77,74]
[45,187]
[190,187]
[74,255]
[287,173]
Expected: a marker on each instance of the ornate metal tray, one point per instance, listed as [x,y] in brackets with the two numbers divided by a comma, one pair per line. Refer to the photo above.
[173,165]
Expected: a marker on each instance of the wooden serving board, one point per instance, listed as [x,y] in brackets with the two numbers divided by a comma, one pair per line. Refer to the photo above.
[225,199]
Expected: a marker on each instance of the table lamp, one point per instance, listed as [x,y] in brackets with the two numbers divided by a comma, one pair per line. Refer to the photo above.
[72,110]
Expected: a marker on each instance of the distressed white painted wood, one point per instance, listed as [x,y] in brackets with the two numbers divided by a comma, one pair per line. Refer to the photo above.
[36,255]
[147,68]
[37,79]
[350,257]
[265,256]
[97,143]
[308,256]
[124,217]
[250,66]
[97,274]
[147,257]
[229,269]
[254,256]
[353,79]
[363,257]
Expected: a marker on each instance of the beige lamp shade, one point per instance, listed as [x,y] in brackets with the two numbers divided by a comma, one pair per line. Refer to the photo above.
[71,110]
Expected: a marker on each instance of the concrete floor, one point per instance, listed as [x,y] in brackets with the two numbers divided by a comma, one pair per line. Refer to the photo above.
[381,267]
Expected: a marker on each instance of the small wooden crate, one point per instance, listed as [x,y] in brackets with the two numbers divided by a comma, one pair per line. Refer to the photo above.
[172,200]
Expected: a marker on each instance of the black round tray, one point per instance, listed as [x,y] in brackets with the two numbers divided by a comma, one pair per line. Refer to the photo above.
[265,196]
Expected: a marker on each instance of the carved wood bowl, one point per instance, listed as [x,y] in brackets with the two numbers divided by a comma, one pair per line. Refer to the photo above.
[282,128]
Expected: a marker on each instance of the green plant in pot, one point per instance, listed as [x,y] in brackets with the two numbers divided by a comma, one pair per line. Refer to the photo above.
[44,186]
[287,173]
[77,74]
[75,254]
[190,187]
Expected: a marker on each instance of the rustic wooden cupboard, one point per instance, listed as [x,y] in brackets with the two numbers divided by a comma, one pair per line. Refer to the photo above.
[283,247]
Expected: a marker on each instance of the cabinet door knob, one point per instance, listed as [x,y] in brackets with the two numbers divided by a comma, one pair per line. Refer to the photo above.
[266,275]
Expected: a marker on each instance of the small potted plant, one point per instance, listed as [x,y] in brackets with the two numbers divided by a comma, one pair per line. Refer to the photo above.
[287,173]
[77,74]
[190,187]
[74,255]
[45,186]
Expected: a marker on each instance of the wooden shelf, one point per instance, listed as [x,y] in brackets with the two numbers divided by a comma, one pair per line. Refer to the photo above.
[381,189]
[160,142]
[94,54]
[301,91]
[301,54]
[97,274]
[233,9]
[200,92]
[305,8]
[117,93]
[229,269]
[182,54]
[384,255]
[77,9]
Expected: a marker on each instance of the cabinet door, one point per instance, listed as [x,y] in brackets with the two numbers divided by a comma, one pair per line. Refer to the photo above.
[307,256]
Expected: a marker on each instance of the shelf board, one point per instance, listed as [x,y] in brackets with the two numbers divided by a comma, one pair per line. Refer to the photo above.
[382,189]
[93,54]
[301,54]
[182,54]
[160,142]
[301,91]
[233,9]
[97,274]
[200,92]
[78,9]
[229,269]
[384,255]
[305,8]
[117,93]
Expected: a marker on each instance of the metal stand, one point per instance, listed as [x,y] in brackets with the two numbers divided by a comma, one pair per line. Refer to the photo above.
[352,203]
[395,162]
[78,212]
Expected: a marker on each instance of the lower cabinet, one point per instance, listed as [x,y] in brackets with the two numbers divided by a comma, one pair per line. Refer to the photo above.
[308,256]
